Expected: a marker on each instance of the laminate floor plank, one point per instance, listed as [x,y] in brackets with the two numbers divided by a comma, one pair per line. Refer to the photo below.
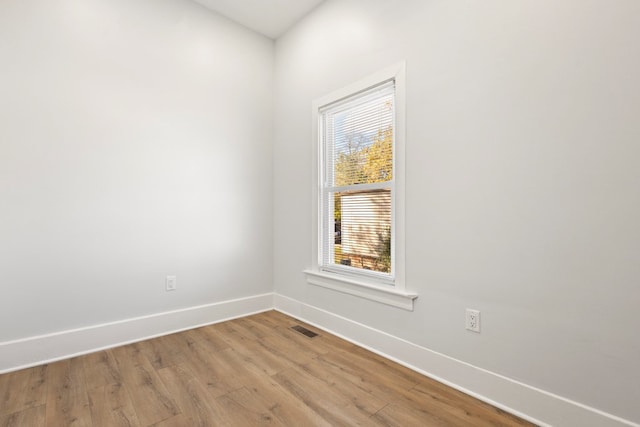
[288,409]
[32,417]
[320,397]
[67,399]
[264,392]
[255,328]
[463,406]
[180,420]
[100,370]
[132,353]
[365,373]
[111,406]
[204,365]
[351,392]
[151,400]
[23,390]
[390,388]
[164,351]
[252,405]
[396,415]
[197,406]
[381,364]
[253,371]
[255,354]
[288,349]
[208,337]
[418,402]
[226,329]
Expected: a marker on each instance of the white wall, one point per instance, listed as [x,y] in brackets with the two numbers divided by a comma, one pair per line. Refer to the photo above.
[522,181]
[135,138]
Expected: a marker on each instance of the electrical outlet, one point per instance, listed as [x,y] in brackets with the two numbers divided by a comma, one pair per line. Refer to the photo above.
[472,320]
[171,283]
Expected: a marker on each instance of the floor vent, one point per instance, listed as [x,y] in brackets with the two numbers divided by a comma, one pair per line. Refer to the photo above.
[304,331]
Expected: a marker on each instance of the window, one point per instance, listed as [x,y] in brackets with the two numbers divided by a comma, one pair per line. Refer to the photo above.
[358,134]
[357,188]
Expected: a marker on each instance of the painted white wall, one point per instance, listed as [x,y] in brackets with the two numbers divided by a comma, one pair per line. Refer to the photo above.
[135,143]
[522,175]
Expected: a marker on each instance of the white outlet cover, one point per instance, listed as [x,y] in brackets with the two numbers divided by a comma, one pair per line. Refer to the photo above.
[472,320]
[171,283]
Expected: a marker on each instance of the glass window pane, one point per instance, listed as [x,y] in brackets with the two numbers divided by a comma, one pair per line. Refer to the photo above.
[362,233]
[363,143]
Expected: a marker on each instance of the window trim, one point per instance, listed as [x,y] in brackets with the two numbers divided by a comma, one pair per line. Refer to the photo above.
[394,294]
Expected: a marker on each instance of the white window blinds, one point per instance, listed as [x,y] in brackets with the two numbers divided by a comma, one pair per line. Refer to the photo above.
[357,194]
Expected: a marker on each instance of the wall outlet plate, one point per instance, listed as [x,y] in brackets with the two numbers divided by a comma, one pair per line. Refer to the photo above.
[171,283]
[472,320]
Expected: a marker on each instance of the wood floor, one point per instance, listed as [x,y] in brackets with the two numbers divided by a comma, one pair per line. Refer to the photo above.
[244,372]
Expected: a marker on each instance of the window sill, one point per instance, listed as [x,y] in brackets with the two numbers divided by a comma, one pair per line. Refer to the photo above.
[360,289]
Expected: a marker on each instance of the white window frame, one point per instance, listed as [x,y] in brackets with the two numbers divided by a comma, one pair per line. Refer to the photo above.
[390,290]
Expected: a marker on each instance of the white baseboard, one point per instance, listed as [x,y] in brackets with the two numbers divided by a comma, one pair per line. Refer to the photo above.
[535,405]
[34,351]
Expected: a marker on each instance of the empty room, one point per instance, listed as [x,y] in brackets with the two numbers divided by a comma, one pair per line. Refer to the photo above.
[320,213]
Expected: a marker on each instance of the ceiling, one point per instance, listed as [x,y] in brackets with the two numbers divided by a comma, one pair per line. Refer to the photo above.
[269,17]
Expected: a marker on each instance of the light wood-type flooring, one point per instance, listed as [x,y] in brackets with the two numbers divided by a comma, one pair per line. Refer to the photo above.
[244,372]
